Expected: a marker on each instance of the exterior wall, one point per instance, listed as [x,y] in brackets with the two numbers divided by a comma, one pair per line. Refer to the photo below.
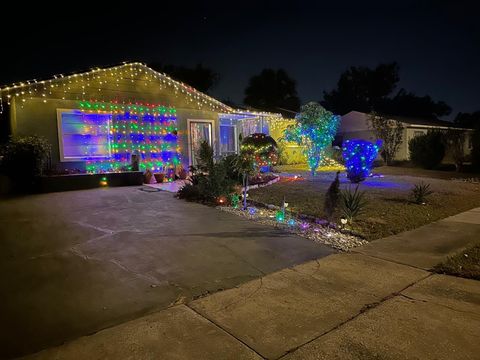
[38,118]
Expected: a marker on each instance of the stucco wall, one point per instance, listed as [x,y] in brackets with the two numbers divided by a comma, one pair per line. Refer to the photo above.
[35,117]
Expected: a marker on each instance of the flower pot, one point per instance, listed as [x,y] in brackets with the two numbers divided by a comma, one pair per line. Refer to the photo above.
[159,177]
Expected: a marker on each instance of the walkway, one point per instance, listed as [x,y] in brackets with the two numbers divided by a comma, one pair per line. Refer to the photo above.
[378,303]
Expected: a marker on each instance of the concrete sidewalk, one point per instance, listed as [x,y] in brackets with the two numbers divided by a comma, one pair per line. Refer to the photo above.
[381,302]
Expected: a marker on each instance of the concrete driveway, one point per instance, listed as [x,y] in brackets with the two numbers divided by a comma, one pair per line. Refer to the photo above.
[76,262]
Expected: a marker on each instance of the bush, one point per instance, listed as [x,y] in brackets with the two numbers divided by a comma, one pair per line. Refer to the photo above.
[189,192]
[331,198]
[359,156]
[262,148]
[25,158]
[427,151]
[352,203]
[215,183]
[476,149]
[420,192]
[231,169]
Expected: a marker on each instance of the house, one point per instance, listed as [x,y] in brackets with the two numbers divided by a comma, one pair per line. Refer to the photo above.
[355,125]
[96,121]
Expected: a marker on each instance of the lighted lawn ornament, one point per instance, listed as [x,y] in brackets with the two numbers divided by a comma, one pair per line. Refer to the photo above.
[235,200]
[314,130]
[359,156]
[104,181]
[279,216]
[262,149]
[252,211]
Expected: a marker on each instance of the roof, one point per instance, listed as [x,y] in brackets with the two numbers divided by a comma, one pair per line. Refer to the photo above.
[422,121]
[415,121]
[40,88]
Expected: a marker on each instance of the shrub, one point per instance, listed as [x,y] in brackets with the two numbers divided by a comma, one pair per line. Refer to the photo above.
[476,148]
[189,192]
[420,192]
[427,151]
[359,156]
[262,148]
[230,164]
[352,203]
[205,156]
[331,198]
[25,158]
[209,186]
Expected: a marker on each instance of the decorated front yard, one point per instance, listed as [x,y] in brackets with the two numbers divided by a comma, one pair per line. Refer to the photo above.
[389,207]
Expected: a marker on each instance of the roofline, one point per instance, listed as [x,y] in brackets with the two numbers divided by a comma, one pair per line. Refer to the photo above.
[60,77]
[407,124]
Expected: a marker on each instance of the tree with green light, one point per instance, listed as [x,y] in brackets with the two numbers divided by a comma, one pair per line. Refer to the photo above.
[314,130]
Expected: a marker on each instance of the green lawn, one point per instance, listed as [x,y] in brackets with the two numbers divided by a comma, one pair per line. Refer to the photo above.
[389,210]
[465,264]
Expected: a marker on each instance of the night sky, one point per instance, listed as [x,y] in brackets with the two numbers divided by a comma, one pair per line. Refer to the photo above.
[436,43]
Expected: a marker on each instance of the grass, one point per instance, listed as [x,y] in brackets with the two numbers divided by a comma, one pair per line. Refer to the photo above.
[465,264]
[390,209]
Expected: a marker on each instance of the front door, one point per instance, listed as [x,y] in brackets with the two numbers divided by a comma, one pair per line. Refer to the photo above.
[199,131]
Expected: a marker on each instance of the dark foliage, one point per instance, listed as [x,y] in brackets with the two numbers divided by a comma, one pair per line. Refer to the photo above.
[476,149]
[405,103]
[24,158]
[468,120]
[364,89]
[427,151]
[209,181]
[332,198]
[273,90]
[361,88]
[420,192]
[200,77]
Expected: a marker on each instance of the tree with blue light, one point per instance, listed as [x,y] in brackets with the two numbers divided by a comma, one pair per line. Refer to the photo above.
[314,130]
[359,156]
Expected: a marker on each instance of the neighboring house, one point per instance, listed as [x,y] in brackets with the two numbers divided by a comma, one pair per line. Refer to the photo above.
[355,125]
[97,120]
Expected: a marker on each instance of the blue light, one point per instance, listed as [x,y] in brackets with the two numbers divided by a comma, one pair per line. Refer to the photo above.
[359,156]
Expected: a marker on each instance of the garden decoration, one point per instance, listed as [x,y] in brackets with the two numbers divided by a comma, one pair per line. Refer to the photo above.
[235,200]
[262,149]
[280,216]
[314,130]
[359,156]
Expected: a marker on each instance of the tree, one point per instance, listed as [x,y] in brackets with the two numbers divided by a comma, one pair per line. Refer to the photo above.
[199,77]
[472,121]
[390,132]
[405,103]
[468,120]
[361,88]
[427,150]
[455,142]
[364,89]
[272,90]
[314,130]
[245,166]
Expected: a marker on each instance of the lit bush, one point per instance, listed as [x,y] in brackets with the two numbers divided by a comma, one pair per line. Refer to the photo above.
[261,148]
[358,156]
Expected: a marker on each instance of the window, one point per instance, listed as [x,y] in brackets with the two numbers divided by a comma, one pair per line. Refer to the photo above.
[228,137]
[83,136]
[418,133]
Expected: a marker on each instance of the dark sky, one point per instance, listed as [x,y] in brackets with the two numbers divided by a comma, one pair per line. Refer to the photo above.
[436,43]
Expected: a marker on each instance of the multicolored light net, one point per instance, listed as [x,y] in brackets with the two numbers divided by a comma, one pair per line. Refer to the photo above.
[359,156]
[147,131]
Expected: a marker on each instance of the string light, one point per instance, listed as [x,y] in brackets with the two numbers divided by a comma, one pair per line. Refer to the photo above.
[105,83]
[359,156]
[314,130]
[262,148]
